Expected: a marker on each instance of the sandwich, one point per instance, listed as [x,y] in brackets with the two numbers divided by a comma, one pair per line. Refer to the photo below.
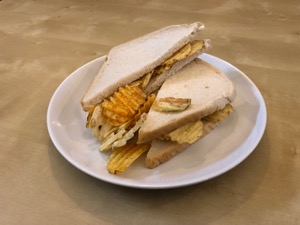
[125,87]
[188,106]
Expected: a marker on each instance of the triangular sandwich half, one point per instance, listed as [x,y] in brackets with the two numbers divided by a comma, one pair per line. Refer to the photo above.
[170,128]
[125,86]
[130,61]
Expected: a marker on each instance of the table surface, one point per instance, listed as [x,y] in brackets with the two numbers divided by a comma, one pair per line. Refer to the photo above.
[42,42]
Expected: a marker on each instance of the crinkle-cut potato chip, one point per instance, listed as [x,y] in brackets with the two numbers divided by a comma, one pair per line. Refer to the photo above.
[129,134]
[123,104]
[117,136]
[122,135]
[188,133]
[108,142]
[110,134]
[145,107]
[121,158]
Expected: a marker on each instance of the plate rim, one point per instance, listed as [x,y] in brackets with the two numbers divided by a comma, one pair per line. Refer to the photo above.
[121,182]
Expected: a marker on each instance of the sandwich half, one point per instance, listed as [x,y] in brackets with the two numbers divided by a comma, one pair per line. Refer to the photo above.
[187,107]
[125,87]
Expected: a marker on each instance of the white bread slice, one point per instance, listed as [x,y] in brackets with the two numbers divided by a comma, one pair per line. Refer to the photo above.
[208,88]
[157,81]
[162,151]
[129,61]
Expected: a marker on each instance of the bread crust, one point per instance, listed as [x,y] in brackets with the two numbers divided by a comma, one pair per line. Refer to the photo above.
[129,61]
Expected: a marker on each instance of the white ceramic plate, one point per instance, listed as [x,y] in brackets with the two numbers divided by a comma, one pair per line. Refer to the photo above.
[220,151]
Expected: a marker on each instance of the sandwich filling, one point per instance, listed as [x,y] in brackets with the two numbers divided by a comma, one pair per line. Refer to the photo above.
[193,131]
[115,120]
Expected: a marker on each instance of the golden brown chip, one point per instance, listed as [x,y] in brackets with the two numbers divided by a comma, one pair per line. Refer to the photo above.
[123,104]
[191,132]
[145,107]
[121,158]
[188,133]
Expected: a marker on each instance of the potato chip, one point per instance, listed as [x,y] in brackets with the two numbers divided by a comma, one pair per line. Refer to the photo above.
[185,51]
[191,132]
[110,139]
[188,133]
[104,130]
[179,55]
[117,136]
[123,104]
[146,78]
[121,158]
[129,134]
[91,118]
[145,107]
